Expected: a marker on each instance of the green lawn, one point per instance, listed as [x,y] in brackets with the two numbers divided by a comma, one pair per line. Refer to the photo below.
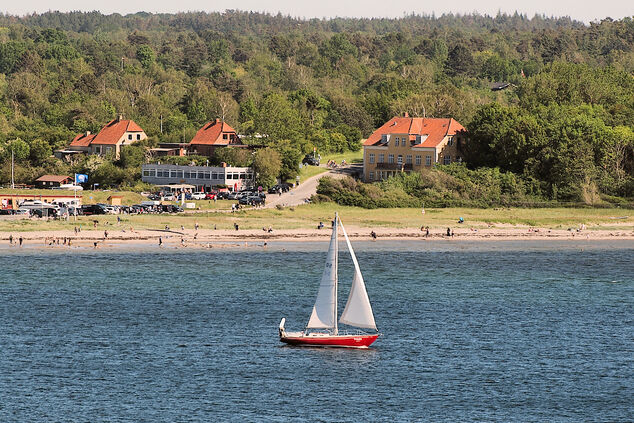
[349,156]
[308,216]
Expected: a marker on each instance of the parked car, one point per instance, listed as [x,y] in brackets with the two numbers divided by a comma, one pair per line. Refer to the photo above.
[199,196]
[253,200]
[90,209]
[210,196]
[311,160]
[169,197]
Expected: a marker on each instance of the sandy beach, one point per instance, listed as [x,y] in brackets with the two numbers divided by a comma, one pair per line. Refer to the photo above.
[209,238]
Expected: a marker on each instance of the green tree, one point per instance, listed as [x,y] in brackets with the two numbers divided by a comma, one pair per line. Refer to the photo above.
[145,55]
[19,148]
[266,165]
[39,151]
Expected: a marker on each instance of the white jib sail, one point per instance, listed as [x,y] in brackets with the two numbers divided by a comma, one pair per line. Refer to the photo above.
[324,315]
[358,311]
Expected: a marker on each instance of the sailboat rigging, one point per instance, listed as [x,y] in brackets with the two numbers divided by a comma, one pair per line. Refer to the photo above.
[322,328]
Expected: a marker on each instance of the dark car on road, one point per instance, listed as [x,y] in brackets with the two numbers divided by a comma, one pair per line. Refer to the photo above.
[311,160]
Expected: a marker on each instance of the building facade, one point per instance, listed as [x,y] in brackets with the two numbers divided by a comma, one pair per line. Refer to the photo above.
[204,178]
[108,141]
[406,144]
[52,181]
[214,135]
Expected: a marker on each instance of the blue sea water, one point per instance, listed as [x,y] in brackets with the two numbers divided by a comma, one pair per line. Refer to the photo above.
[481,331]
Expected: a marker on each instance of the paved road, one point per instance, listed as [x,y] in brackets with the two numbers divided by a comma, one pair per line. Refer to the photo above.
[306,189]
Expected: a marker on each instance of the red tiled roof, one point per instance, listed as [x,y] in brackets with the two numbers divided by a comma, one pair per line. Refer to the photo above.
[114,130]
[435,128]
[82,140]
[53,178]
[211,133]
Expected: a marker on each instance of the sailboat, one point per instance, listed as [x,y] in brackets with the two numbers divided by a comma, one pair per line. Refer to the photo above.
[322,329]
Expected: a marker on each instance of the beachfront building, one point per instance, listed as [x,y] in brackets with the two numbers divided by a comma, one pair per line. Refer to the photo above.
[109,140]
[214,135]
[405,144]
[52,181]
[204,178]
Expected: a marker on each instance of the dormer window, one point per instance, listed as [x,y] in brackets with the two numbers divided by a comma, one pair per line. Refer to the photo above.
[225,136]
[384,139]
[450,142]
[130,136]
[138,136]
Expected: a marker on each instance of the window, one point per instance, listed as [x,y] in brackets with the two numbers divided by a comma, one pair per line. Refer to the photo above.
[108,150]
[129,136]
[146,172]
[408,159]
[206,175]
[396,142]
[390,158]
[418,161]
[399,160]
[97,149]
[186,174]
[225,136]
[372,176]
[450,142]
[381,158]
[447,160]
[214,176]
[138,136]
[384,139]
[201,175]
[172,174]
[371,156]
[427,160]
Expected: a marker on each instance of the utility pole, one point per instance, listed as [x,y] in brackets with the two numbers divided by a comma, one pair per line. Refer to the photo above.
[12,165]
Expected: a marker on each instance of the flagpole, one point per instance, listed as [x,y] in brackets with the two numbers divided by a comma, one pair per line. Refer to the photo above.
[75,201]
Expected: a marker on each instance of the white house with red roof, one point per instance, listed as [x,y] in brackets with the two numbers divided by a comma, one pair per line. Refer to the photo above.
[213,135]
[110,139]
[405,144]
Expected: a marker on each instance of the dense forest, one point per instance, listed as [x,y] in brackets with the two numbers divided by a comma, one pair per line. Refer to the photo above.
[563,130]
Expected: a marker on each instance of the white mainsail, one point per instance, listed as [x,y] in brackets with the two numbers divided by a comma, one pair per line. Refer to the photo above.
[324,315]
[358,311]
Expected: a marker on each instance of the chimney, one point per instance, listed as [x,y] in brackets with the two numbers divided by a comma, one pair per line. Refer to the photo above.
[223,164]
[405,114]
[217,120]
[119,118]
[87,133]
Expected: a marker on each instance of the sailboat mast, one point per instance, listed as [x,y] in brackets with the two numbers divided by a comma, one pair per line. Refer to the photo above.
[336,267]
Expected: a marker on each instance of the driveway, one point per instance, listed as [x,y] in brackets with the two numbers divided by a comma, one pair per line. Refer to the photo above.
[306,189]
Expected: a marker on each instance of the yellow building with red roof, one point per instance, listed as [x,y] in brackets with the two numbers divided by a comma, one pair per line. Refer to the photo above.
[110,139]
[405,144]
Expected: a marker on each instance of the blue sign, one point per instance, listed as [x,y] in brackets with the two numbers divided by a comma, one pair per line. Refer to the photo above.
[81,178]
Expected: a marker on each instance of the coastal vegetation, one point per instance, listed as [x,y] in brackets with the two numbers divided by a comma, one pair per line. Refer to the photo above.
[561,132]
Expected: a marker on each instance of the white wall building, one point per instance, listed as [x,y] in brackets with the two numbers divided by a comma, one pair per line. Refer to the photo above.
[203,177]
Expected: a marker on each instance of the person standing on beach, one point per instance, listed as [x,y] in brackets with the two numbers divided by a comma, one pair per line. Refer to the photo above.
[20,241]
[11,239]
[105,234]
[448,231]
[160,241]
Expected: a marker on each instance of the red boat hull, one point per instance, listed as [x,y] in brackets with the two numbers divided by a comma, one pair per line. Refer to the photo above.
[343,341]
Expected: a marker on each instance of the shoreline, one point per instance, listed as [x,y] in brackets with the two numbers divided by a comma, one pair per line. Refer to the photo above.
[209,238]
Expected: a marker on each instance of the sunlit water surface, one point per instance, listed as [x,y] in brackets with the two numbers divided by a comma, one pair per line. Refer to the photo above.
[481,331]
